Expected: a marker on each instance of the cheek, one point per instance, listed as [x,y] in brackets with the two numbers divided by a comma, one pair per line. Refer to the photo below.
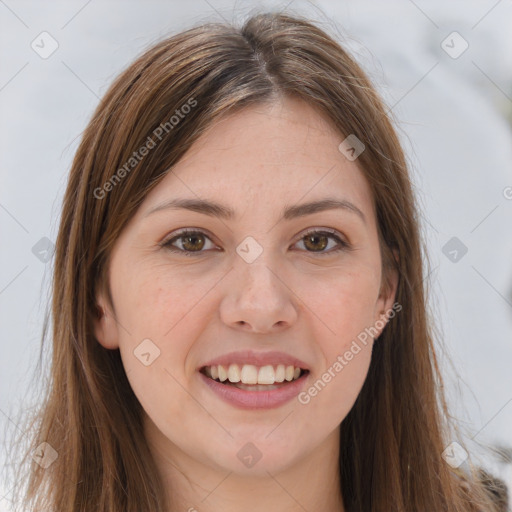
[148,313]
[332,392]
[344,304]
[347,306]
[157,300]
[164,314]
[155,348]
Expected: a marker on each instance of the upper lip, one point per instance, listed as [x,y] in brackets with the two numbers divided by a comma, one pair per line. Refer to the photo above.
[257,359]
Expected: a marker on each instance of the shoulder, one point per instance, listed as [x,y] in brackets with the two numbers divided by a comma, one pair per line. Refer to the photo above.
[495,489]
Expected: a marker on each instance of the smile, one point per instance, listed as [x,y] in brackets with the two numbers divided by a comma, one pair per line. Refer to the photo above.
[251,387]
[249,376]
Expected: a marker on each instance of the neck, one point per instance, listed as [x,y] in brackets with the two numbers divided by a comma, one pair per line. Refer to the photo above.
[312,483]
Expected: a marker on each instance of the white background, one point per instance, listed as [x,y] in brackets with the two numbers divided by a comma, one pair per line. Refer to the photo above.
[454,119]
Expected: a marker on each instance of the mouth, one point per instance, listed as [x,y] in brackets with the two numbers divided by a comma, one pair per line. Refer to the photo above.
[249,377]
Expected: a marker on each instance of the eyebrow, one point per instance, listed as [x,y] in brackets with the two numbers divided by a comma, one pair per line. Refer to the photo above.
[214,209]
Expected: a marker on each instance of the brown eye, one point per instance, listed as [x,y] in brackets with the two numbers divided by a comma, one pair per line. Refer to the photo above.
[192,242]
[188,242]
[317,241]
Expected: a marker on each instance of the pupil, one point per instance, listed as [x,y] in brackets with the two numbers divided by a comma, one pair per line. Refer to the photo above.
[188,238]
[316,237]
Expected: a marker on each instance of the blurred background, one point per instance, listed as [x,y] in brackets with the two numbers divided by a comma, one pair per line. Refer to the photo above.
[445,72]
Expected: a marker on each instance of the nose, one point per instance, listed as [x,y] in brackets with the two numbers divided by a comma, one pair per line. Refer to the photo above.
[258,298]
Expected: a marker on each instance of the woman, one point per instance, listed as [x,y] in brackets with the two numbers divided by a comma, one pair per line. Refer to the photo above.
[239,311]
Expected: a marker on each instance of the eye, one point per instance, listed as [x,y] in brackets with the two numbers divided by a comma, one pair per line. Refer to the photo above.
[189,242]
[318,240]
[192,242]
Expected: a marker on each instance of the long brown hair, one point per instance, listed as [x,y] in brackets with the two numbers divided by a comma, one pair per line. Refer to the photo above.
[393,438]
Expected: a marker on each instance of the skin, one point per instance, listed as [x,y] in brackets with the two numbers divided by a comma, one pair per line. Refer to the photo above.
[299,298]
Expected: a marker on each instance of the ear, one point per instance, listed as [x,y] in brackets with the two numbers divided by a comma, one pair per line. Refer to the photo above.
[105,325]
[387,294]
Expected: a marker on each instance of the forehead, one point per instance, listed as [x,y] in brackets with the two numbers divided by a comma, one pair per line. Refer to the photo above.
[268,154]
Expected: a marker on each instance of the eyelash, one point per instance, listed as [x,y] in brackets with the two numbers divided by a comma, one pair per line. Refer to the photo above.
[343,245]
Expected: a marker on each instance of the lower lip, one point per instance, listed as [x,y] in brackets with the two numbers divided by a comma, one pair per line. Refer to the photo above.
[256,399]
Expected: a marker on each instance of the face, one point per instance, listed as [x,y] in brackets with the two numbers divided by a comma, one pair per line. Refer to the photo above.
[258,289]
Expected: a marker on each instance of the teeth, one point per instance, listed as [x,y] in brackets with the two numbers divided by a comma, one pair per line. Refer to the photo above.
[251,374]
[233,373]
[223,374]
[280,373]
[267,375]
